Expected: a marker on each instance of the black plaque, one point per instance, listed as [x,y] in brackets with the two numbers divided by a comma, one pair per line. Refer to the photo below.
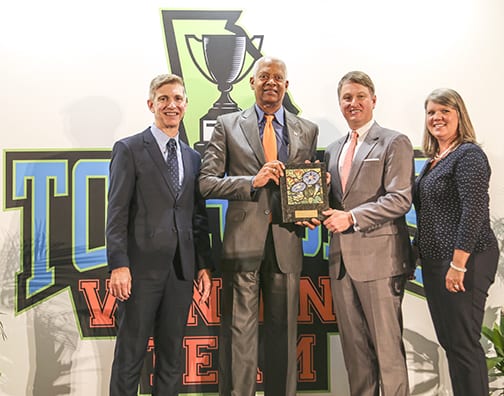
[304,193]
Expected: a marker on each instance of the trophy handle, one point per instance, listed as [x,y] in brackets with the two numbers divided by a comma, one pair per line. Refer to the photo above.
[258,48]
[191,54]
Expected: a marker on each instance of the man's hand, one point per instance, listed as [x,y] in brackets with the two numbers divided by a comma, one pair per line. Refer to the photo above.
[272,170]
[204,284]
[337,220]
[120,283]
[311,224]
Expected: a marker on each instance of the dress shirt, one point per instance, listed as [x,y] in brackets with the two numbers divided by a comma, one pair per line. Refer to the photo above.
[282,137]
[162,140]
[362,135]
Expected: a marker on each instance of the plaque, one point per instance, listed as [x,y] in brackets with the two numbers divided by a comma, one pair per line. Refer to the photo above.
[304,193]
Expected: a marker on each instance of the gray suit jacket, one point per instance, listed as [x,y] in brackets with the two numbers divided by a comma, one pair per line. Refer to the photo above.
[232,158]
[379,194]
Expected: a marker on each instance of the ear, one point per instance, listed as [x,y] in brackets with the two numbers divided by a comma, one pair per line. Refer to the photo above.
[251,82]
[150,105]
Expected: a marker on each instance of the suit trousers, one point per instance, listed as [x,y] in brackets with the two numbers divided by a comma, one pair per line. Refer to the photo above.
[159,307]
[370,324]
[239,336]
[458,317]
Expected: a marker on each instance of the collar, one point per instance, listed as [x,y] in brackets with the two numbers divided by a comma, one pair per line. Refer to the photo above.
[279,114]
[363,130]
[162,138]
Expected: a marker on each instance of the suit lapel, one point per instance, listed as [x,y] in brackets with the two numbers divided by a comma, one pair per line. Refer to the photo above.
[337,151]
[250,128]
[363,151]
[152,148]
[188,166]
[294,130]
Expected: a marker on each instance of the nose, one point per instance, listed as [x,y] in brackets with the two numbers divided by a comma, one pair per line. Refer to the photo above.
[271,80]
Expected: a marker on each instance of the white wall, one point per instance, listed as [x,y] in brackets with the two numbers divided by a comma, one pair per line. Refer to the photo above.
[62,61]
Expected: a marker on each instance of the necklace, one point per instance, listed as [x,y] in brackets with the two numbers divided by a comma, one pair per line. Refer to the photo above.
[439,156]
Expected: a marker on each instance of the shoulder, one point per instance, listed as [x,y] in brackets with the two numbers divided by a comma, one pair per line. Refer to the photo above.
[134,140]
[236,115]
[386,133]
[471,152]
[192,152]
[295,118]
[337,142]
[389,137]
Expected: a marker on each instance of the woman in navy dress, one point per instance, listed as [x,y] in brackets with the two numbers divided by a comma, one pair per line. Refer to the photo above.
[457,248]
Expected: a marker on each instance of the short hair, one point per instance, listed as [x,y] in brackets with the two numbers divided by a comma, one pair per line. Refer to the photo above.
[270,59]
[163,79]
[465,131]
[357,77]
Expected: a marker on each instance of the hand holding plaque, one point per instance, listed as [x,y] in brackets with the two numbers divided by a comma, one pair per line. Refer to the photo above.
[304,193]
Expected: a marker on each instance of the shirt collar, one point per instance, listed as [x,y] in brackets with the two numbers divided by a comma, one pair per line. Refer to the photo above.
[162,138]
[363,130]
[279,114]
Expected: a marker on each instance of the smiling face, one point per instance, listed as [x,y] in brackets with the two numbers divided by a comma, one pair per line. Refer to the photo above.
[356,104]
[269,83]
[442,122]
[168,105]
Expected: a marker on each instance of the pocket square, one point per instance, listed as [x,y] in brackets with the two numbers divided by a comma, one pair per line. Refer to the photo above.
[371,159]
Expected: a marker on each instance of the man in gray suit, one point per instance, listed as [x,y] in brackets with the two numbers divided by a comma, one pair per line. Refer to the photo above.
[369,253]
[260,253]
[157,241]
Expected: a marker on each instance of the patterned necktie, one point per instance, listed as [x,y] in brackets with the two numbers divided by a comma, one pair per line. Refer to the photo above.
[171,160]
[347,162]
[269,139]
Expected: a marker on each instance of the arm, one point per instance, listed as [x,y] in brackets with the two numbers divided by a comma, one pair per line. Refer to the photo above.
[397,184]
[122,184]
[215,178]
[472,175]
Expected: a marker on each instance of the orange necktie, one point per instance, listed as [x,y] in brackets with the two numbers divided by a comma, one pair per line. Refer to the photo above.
[269,139]
[347,162]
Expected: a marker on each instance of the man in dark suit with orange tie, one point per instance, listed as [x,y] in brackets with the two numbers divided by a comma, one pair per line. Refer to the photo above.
[157,241]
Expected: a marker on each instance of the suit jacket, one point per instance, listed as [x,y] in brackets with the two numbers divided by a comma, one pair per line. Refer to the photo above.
[232,158]
[379,194]
[461,220]
[147,220]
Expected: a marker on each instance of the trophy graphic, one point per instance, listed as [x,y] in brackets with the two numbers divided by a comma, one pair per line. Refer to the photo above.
[224,59]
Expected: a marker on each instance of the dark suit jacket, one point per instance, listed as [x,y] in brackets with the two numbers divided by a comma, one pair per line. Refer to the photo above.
[452,205]
[232,158]
[146,219]
[379,194]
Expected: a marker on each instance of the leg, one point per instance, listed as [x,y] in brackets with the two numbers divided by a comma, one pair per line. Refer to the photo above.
[358,351]
[281,300]
[135,319]
[168,335]
[457,319]
[381,302]
[239,334]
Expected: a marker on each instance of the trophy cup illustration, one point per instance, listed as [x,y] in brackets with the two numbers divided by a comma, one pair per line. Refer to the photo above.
[224,59]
